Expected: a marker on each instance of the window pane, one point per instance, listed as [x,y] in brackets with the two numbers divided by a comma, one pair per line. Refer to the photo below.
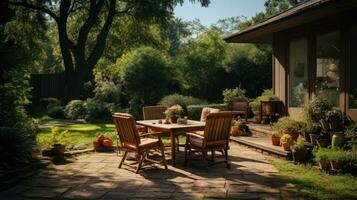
[353,70]
[327,67]
[298,73]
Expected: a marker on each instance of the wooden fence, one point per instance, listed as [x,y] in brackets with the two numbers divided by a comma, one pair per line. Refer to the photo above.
[47,85]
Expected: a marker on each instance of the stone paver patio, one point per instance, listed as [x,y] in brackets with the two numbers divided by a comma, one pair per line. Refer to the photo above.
[96,176]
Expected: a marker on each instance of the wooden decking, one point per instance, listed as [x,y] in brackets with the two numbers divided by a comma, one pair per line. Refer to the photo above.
[261,141]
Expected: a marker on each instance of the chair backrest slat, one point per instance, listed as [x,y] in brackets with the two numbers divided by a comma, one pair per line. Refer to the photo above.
[126,128]
[218,127]
[154,112]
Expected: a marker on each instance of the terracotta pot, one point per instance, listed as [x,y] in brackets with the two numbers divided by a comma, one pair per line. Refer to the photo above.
[235,131]
[173,120]
[336,165]
[286,146]
[275,141]
[299,156]
[107,143]
[294,135]
[96,144]
[324,164]
[58,149]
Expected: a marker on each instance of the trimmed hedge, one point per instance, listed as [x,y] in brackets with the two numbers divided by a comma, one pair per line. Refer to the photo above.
[194,111]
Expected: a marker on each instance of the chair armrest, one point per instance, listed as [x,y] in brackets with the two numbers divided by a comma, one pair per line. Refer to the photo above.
[149,134]
[195,135]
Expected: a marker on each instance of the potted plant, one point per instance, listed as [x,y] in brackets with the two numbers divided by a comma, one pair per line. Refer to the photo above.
[102,142]
[338,157]
[286,141]
[286,125]
[255,105]
[298,151]
[174,112]
[309,130]
[321,156]
[234,130]
[57,141]
[275,138]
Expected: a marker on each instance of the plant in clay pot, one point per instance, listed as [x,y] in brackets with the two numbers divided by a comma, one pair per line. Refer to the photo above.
[299,151]
[174,112]
[56,143]
[338,158]
[235,129]
[286,141]
[275,138]
[102,142]
[287,125]
[267,95]
[316,109]
[321,156]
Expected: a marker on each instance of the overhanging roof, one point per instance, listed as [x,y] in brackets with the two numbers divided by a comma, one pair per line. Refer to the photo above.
[303,13]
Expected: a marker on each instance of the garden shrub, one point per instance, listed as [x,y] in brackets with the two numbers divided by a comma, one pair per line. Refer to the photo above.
[106,90]
[99,111]
[50,102]
[316,109]
[194,111]
[56,112]
[76,109]
[230,95]
[182,100]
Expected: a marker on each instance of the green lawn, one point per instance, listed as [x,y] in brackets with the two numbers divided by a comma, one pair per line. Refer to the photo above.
[316,184]
[81,136]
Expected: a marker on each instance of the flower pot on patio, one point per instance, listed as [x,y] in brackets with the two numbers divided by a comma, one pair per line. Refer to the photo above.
[336,165]
[235,131]
[275,141]
[324,164]
[58,149]
[173,119]
[293,134]
[299,155]
[286,146]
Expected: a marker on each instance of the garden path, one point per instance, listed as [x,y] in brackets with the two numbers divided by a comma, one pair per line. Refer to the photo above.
[96,176]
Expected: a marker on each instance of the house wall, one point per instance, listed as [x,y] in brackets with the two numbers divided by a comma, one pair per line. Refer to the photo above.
[342,23]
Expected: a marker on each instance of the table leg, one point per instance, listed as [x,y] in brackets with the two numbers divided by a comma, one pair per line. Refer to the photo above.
[173,148]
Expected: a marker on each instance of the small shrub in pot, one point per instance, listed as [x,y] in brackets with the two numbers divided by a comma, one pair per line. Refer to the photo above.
[321,156]
[338,157]
[299,151]
[287,125]
[286,141]
[275,138]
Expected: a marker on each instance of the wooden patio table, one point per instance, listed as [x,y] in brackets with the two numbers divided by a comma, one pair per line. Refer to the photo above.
[173,129]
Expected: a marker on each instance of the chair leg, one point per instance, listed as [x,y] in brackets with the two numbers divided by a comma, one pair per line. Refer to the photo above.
[122,160]
[142,158]
[163,155]
[226,157]
[187,148]
[177,143]
[213,155]
[118,150]
[204,157]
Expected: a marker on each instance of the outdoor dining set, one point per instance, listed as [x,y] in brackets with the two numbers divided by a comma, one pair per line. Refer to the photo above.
[209,135]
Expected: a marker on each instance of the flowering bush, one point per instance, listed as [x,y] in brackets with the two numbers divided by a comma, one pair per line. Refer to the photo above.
[174,111]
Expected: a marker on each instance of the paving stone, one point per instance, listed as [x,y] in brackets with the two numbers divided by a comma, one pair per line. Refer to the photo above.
[245,195]
[81,192]
[209,183]
[237,188]
[261,188]
[215,193]
[188,196]
[115,195]
[44,192]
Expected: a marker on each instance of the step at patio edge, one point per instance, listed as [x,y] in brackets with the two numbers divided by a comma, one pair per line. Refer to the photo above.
[260,131]
[286,155]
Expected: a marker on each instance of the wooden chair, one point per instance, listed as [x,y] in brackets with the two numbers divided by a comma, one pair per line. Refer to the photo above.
[154,112]
[157,112]
[241,107]
[214,138]
[131,141]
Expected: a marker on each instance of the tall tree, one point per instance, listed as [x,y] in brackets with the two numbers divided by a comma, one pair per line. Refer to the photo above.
[93,16]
